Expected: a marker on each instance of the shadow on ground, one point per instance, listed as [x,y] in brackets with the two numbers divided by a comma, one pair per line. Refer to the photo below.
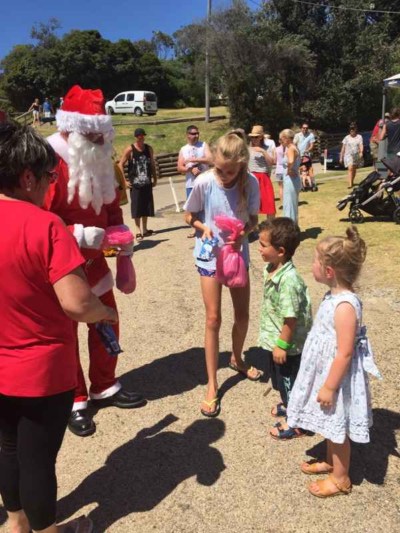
[138,475]
[183,371]
[148,243]
[369,462]
[311,233]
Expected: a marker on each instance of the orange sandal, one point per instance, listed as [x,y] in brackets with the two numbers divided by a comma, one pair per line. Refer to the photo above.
[311,467]
[326,492]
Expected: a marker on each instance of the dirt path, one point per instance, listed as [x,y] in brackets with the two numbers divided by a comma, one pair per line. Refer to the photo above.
[164,468]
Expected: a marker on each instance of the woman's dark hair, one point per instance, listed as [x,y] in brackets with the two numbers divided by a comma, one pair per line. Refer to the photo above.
[353,126]
[21,148]
[283,232]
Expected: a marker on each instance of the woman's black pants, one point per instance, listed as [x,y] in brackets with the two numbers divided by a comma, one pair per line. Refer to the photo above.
[31,433]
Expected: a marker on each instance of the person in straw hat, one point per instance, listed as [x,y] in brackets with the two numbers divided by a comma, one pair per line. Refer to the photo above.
[260,160]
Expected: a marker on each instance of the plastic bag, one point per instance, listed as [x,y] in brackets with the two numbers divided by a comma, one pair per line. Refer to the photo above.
[122,238]
[231,268]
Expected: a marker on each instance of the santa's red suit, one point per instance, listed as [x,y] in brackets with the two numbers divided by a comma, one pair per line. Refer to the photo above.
[102,365]
[87,200]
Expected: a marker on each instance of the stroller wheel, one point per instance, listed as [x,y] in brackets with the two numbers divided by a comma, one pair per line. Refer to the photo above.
[356,216]
[396,215]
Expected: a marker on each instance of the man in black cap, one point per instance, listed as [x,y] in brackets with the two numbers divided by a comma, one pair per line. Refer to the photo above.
[141,180]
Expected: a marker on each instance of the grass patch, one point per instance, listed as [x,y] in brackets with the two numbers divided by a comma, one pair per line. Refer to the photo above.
[175,134]
[318,217]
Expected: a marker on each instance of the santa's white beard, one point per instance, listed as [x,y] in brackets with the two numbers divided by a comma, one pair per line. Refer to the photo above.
[91,172]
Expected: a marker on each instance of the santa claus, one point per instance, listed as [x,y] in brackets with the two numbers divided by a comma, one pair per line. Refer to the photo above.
[85,196]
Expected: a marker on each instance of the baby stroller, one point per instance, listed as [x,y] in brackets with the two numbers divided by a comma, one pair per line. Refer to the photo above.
[307,174]
[375,195]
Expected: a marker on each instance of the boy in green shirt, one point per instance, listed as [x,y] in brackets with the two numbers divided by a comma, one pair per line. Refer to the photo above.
[285,313]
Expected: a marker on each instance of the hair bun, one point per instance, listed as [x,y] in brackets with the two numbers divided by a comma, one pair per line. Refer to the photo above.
[354,242]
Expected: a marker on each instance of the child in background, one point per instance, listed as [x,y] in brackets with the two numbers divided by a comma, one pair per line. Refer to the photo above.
[306,182]
[331,395]
[227,189]
[285,314]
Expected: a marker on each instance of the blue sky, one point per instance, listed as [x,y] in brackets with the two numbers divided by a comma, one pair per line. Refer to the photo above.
[117,19]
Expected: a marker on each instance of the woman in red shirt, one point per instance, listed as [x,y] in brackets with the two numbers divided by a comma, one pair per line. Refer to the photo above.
[42,291]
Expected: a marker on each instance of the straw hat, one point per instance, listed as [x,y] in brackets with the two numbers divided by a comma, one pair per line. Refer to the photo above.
[257,131]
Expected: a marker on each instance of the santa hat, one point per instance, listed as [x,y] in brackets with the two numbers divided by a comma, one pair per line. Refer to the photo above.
[83,111]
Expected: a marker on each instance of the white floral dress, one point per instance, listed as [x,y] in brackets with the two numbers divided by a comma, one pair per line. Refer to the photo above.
[352,414]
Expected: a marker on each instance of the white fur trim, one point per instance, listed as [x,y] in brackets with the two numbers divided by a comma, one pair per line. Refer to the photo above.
[78,406]
[73,121]
[106,393]
[93,237]
[59,145]
[104,285]
[79,234]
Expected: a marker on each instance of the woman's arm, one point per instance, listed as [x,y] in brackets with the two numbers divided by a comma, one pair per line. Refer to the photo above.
[361,147]
[153,166]
[78,302]
[383,133]
[291,153]
[342,151]
[346,327]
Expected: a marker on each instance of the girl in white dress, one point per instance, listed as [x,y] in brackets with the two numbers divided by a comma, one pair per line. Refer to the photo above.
[331,393]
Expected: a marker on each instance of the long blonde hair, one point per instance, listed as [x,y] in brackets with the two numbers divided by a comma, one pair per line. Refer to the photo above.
[231,146]
[345,255]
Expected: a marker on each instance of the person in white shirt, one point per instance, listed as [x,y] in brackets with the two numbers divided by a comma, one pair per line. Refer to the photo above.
[193,159]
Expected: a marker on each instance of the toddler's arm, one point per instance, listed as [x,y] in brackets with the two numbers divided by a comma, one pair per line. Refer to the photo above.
[346,327]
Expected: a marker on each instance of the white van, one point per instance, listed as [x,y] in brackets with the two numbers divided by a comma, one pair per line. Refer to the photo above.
[137,102]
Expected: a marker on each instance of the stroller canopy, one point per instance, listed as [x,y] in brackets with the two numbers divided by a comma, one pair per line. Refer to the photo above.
[393,81]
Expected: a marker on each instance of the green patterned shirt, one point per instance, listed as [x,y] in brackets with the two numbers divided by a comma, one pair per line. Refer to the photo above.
[285,296]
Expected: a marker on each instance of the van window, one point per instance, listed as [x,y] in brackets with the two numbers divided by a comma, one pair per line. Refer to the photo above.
[151,97]
[131,97]
[120,98]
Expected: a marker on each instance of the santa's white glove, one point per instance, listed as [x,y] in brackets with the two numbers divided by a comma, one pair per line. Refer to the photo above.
[90,237]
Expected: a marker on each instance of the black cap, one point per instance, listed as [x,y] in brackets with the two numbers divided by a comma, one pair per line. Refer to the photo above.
[139,131]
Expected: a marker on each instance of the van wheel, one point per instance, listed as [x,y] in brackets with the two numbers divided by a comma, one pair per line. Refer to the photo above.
[110,110]
[138,112]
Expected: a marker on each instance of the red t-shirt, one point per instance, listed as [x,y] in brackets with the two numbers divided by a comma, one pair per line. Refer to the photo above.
[37,339]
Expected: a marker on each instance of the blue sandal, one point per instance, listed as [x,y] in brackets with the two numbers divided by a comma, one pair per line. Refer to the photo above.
[289,433]
[280,411]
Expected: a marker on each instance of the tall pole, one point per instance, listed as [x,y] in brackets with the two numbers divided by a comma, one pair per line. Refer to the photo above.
[207,88]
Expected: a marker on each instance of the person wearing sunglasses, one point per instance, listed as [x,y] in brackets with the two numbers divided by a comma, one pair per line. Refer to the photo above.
[194,158]
[43,291]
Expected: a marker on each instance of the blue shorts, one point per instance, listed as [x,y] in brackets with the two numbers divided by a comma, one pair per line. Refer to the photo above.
[206,273]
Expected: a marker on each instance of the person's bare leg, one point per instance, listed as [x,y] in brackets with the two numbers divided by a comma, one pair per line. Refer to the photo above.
[18,522]
[211,291]
[321,466]
[241,303]
[341,466]
[351,175]
[281,191]
[137,224]
[144,224]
